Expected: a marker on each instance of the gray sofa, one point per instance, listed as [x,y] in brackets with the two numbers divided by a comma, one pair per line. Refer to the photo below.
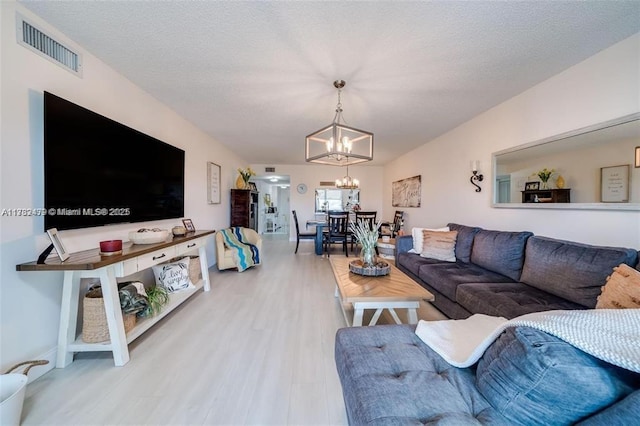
[510,274]
[390,377]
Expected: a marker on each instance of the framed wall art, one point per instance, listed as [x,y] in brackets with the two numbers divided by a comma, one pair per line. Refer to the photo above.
[614,184]
[406,192]
[532,186]
[213,183]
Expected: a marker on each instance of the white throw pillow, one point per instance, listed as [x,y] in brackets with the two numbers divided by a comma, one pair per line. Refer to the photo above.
[173,276]
[416,233]
[439,245]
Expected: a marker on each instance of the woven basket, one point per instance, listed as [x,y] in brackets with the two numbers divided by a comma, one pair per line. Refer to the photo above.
[195,273]
[94,324]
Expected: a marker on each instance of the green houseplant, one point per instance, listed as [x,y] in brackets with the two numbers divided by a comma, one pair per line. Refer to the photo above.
[367,237]
[158,297]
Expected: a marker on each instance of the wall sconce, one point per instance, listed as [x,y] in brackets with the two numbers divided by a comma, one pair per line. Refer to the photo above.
[637,156]
[477,177]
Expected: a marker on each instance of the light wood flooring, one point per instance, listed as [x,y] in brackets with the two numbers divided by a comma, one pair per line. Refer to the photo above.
[256,349]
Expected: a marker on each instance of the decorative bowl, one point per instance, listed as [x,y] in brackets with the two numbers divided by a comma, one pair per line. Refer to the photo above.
[148,236]
[380,268]
[179,231]
[110,246]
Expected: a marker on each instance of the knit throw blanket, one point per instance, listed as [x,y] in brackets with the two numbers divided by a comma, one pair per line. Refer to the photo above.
[246,255]
[612,335]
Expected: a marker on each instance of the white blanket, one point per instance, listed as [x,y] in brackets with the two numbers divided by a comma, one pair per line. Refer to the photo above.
[612,335]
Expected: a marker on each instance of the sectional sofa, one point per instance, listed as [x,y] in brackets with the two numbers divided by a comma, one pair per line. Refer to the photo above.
[390,376]
[510,274]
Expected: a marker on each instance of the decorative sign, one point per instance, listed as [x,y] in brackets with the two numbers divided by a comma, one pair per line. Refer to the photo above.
[213,183]
[614,183]
[406,192]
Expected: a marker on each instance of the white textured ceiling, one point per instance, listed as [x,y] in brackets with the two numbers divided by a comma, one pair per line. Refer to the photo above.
[257,76]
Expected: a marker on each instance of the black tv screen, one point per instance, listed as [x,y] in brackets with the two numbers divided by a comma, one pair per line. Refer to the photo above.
[100,172]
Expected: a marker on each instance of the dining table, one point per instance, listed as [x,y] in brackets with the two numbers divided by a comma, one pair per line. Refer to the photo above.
[319,224]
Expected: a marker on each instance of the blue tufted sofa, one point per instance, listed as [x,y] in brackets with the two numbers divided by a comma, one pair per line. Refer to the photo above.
[510,274]
[390,377]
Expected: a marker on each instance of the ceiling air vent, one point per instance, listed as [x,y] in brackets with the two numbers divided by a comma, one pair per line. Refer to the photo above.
[269,169]
[40,43]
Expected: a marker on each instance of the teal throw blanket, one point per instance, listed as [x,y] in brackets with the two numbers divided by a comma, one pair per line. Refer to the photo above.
[245,253]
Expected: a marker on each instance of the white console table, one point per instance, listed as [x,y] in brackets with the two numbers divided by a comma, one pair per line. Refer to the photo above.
[89,264]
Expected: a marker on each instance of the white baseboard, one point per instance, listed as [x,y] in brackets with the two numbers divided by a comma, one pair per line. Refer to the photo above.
[40,370]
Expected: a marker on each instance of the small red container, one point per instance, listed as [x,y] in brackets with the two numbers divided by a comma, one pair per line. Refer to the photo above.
[110,245]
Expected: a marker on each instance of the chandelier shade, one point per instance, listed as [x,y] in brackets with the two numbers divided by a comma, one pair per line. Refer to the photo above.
[338,144]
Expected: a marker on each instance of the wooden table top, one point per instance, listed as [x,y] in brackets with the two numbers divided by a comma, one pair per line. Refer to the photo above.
[91,259]
[395,287]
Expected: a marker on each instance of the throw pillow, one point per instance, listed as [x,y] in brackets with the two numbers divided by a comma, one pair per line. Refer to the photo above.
[173,276]
[532,377]
[416,233]
[622,289]
[439,245]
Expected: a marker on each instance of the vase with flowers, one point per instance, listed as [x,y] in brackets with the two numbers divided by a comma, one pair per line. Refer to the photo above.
[242,182]
[544,176]
[367,236]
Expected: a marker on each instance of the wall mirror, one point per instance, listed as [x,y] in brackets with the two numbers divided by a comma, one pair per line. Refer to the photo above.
[336,199]
[593,168]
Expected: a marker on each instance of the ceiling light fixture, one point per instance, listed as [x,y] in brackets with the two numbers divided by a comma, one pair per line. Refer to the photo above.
[338,144]
[347,182]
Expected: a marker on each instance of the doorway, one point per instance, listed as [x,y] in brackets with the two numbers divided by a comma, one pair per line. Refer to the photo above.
[274,209]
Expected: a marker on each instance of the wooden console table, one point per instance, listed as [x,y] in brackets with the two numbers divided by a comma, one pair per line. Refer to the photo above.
[135,258]
[547,196]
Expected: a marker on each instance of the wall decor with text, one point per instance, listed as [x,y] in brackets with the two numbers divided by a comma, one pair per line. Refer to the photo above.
[406,192]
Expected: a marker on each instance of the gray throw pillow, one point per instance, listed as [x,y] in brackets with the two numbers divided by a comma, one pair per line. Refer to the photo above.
[531,377]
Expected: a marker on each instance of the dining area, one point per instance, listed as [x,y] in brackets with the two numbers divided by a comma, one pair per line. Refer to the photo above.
[334,228]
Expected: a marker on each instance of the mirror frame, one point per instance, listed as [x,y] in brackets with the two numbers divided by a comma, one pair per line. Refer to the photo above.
[562,206]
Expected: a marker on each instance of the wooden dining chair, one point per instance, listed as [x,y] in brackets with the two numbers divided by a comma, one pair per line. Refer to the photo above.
[369,218]
[301,235]
[337,231]
[397,222]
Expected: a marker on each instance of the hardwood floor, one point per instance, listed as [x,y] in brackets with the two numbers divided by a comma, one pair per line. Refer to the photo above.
[256,349]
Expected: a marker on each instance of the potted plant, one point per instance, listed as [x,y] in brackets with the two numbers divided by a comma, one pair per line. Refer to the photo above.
[368,239]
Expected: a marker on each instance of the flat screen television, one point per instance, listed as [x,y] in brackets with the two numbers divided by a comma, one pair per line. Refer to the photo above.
[100,172]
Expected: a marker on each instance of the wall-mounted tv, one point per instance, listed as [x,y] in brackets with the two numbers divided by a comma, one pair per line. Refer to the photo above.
[100,172]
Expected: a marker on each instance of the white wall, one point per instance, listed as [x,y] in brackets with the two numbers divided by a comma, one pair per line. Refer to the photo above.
[312,174]
[603,87]
[30,301]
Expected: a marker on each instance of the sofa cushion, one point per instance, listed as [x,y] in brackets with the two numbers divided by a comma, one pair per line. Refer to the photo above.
[501,252]
[439,245]
[418,237]
[446,276]
[508,300]
[464,241]
[622,290]
[389,376]
[571,270]
[413,262]
[617,414]
[530,376]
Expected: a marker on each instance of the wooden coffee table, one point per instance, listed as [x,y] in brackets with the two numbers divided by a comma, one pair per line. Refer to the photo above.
[391,292]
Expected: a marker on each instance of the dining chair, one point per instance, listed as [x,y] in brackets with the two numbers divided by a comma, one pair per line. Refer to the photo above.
[301,235]
[396,223]
[369,218]
[337,231]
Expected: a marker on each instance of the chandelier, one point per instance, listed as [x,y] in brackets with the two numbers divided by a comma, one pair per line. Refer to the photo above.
[347,182]
[338,144]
